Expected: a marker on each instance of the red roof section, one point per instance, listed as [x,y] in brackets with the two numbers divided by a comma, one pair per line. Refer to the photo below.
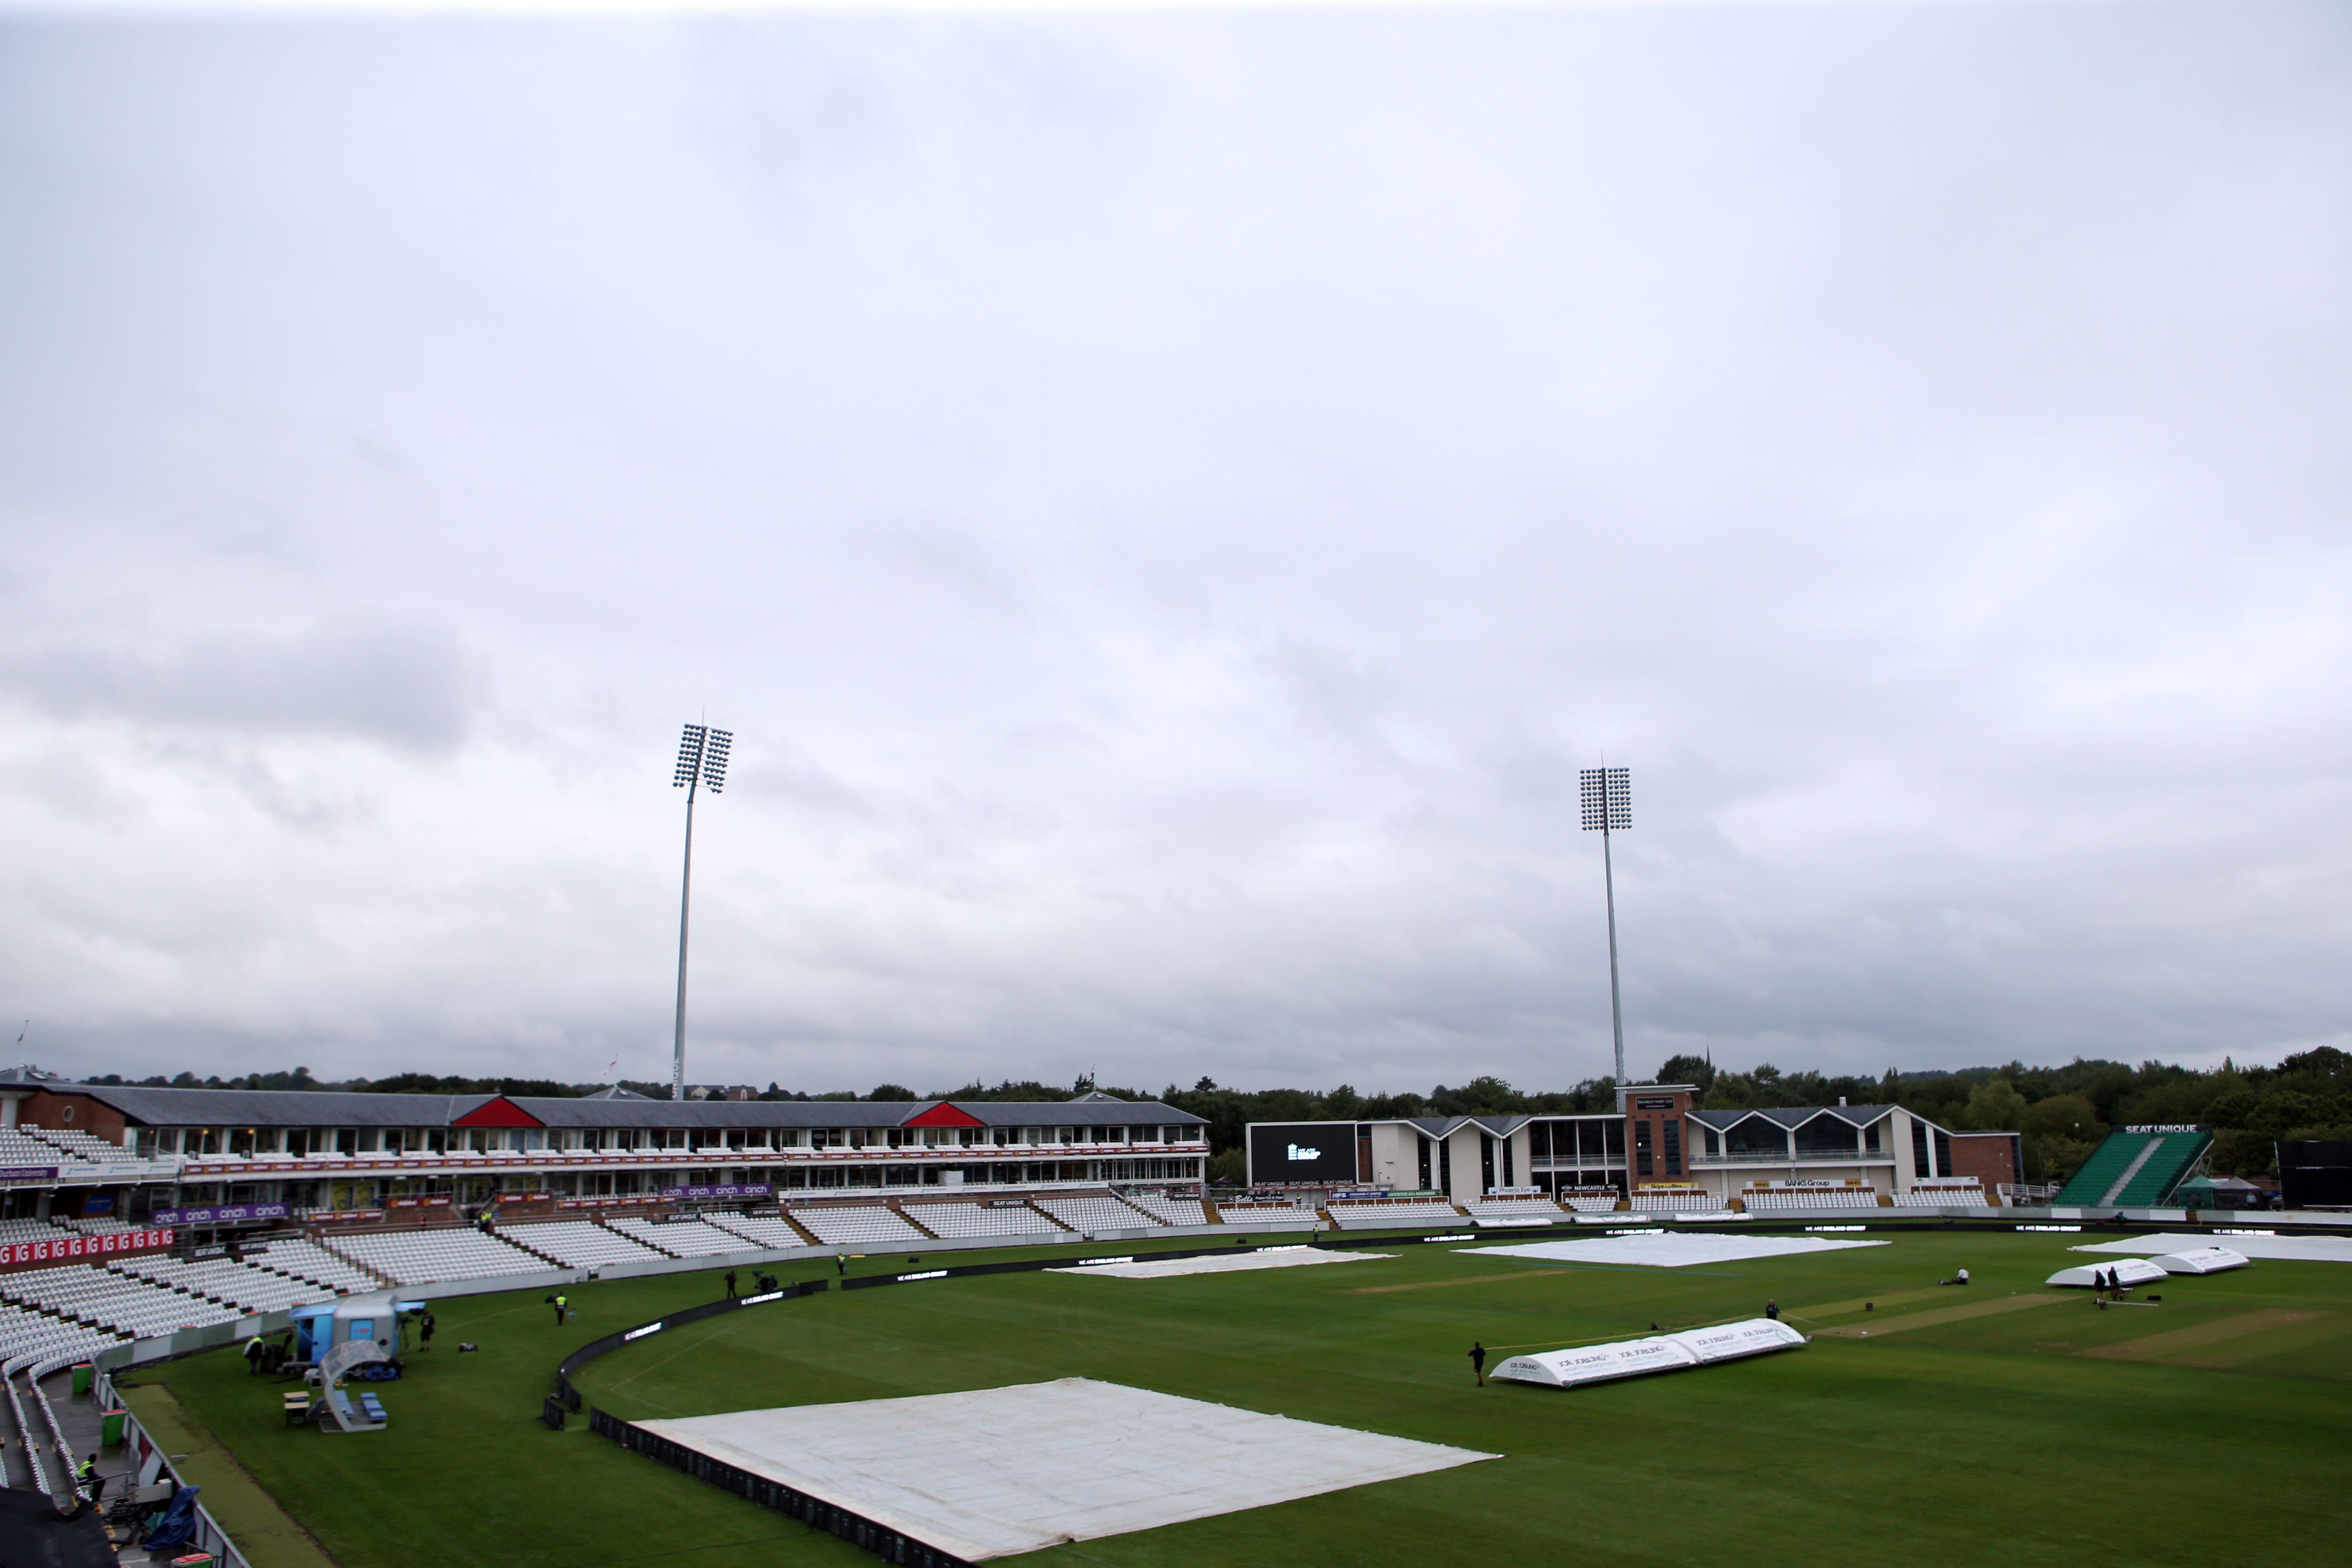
[943,1114]
[497,1111]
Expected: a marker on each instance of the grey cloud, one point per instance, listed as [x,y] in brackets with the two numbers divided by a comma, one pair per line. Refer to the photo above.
[1167,502]
[412,688]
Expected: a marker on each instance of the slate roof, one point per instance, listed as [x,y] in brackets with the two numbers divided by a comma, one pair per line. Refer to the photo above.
[336,1108]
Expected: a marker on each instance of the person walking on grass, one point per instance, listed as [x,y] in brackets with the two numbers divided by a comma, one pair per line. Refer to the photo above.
[1772,1309]
[730,1284]
[561,1303]
[1479,1361]
[252,1352]
[425,1332]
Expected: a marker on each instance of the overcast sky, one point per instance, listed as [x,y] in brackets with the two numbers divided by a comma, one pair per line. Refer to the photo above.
[1166,501]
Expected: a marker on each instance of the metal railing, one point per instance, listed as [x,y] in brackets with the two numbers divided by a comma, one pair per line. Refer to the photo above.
[1800,1157]
[209,1537]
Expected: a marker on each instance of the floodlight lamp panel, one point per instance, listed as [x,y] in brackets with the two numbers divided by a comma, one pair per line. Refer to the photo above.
[714,759]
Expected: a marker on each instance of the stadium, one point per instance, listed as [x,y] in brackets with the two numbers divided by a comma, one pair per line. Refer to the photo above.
[938,1333]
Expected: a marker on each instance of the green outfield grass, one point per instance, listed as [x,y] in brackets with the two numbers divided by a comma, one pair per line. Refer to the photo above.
[2212,1430]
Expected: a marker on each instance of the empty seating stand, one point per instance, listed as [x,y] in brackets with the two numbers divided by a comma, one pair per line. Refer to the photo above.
[948,1219]
[1384,1216]
[1267,1217]
[1170,1210]
[1652,1201]
[1094,1216]
[424,1257]
[579,1243]
[302,1259]
[1515,1211]
[685,1237]
[1786,1200]
[854,1224]
[1589,1199]
[1960,1195]
[761,1230]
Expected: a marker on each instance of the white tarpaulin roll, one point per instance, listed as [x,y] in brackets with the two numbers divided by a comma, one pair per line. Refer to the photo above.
[2127,1271]
[2201,1260]
[1660,1352]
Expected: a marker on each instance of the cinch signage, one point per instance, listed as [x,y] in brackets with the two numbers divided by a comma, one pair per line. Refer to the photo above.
[64,1246]
[723,1189]
[225,1214]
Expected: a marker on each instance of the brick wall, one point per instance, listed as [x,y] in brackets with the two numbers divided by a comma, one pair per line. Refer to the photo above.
[79,1112]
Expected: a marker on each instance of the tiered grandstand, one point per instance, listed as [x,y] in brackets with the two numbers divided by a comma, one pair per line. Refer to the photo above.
[1379,1213]
[579,1243]
[1677,1201]
[1171,1210]
[302,1259]
[111,1300]
[1515,1210]
[230,1283]
[1958,1193]
[853,1224]
[1267,1217]
[1093,1216]
[1591,1199]
[981,1219]
[685,1237]
[1785,1199]
[423,1257]
[2136,1168]
[760,1231]
[29,1335]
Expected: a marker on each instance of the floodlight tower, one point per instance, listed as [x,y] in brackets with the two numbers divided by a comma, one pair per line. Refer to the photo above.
[1609,806]
[701,760]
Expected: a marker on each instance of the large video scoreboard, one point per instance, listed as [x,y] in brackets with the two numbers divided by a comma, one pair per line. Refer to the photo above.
[1304,1153]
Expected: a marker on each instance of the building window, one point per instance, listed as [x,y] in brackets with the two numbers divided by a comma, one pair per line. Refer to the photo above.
[1825,1137]
[1673,1130]
[1943,1153]
[1641,1149]
[1446,1166]
[1757,1138]
[1919,1163]
[1870,1139]
[1425,1172]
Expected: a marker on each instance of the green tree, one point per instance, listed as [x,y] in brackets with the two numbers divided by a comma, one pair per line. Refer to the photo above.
[1994,1107]
[2070,1117]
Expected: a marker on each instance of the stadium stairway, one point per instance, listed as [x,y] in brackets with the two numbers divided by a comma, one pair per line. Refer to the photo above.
[512,1239]
[649,1245]
[2106,1167]
[900,1210]
[2169,1158]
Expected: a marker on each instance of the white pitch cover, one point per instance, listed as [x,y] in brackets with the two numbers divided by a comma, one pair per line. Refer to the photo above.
[998,1471]
[1598,1362]
[2129,1270]
[2302,1248]
[1729,1342]
[1660,1352]
[2201,1260]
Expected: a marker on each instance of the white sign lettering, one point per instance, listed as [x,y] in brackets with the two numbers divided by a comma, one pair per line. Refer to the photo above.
[1299,1154]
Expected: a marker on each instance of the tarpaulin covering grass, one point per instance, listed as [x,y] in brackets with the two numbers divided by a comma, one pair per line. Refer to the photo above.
[2052,1433]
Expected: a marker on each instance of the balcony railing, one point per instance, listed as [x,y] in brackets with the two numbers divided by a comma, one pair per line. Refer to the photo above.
[1802,1158]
